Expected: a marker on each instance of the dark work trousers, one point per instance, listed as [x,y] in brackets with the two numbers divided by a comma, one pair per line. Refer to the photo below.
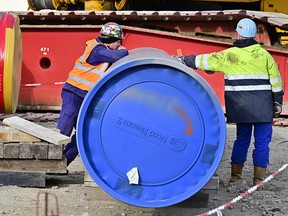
[262,138]
[71,104]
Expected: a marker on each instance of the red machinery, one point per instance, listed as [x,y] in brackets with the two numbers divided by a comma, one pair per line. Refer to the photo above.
[52,40]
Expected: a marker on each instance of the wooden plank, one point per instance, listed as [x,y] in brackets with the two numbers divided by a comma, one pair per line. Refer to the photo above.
[71,178]
[30,150]
[23,179]
[88,181]
[39,131]
[26,150]
[1,150]
[90,184]
[46,166]
[9,134]
[55,151]
[40,150]
[92,191]
[213,183]
[10,150]
[198,200]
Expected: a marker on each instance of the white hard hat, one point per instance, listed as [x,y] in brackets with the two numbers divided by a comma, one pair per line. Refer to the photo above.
[246,28]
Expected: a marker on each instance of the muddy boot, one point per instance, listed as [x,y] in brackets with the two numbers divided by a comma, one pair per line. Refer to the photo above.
[236,172]
[259,173]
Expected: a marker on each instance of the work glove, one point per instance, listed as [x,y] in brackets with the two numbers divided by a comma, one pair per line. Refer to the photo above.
[180,59]
[277,109]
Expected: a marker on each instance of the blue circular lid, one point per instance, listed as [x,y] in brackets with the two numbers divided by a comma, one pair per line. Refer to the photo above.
[152,132]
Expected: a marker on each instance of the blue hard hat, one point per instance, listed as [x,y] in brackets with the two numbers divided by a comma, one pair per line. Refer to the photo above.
[246,28]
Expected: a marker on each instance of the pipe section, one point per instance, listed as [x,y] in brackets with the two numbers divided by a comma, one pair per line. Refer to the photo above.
[151,132]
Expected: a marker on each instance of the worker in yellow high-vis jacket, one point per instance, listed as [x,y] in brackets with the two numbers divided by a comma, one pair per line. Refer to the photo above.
[253,95]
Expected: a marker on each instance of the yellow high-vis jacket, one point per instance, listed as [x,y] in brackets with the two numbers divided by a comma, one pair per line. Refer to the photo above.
[252,81]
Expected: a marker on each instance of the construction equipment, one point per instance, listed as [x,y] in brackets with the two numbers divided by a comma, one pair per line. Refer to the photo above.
[187,5]
[171,11]
[54,32]
[10,61]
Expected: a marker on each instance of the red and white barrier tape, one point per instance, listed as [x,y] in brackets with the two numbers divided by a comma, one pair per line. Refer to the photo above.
[220,208]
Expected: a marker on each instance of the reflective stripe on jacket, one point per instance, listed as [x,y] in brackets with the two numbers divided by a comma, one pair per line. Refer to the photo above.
[251,75]
[85,75]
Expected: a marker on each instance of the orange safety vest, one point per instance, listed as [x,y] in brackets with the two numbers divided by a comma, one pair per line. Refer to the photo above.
[85,75]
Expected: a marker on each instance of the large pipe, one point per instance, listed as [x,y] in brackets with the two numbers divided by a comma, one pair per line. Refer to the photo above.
[151,132]
[10,61]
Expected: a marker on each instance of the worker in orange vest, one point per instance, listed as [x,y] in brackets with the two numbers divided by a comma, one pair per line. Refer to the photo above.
[99,54]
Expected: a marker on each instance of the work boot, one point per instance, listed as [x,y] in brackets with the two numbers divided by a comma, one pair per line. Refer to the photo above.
[236,172]
[259,173]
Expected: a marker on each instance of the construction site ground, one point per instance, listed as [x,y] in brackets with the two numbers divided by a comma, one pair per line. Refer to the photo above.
[74,199]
